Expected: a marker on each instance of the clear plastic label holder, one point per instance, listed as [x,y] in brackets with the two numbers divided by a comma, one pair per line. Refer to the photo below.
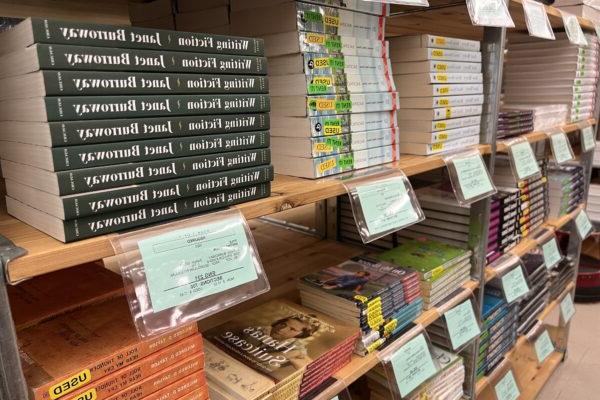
[536,19]
[382,204]
[470,178]
[550,250]
[489,13]
[505,385]
[541,342]
[573,29]
[583,225]
[567,308]
[523,162]
[511,277]
[588,136]
[180,272]
[461,323]
[560,145]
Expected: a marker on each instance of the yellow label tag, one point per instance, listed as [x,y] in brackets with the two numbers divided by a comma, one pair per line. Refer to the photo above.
[315,38]
[327,165]
[437,53]
[361,298]
[443,102]
[390,326]
[322,80]
[441,77]
[440,40]
[331,20]
[441,67]
[375,345]
[437,272]
[440,125]
[333,130]
[444,90]
[525,232]
[376,300]
[87,395]
[70,384]
[322,147]
[325,104]
[448,113]
[437,146]
[442,136]
[321,62]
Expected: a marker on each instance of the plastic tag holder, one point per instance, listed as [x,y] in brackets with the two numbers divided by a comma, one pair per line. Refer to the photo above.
[476,311]
[505,265]
[573,29]
[490,13]
[536,19]
[182,237]
[559,131]
[358,187]
[450,160]
[515,163]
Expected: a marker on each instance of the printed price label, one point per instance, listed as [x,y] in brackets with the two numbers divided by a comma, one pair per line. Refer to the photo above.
[514,284]
[537,21]
[583,225]
[588,139]
[573,29]
[524,160]
[567,308]
[191,263]
[543,346]
[506,388]
[412,365]
[551,253]
[386,205]
[561,148]
[462,324]
[489,13]
[473,178]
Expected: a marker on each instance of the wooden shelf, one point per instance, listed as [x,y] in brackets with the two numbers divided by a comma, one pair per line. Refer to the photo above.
[516,11]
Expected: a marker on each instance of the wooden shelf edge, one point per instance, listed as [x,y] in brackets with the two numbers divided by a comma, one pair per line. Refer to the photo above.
[554,12]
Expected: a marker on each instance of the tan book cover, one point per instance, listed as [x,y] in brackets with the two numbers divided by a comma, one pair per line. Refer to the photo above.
[190,387]
[64,354]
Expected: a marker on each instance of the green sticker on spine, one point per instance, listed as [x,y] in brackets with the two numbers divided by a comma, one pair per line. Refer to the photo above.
[336,63]
[317,88]
[333,45]
[346,162]
[312,16]
[343,106]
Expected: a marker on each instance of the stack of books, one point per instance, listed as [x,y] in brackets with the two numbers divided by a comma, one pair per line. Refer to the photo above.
[105,128]
[278,349]
[503,232]
[589,9]
[593,202]
[379,298]
[513,122]
[566,187]
[440,82]
[545,116]
[95,352]
[334,98]
[442,268]
[543,72]
[536,300]
[208,16]
[156,14]
[561,276]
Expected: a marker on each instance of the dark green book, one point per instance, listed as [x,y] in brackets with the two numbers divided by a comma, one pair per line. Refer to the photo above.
[91,83]
[96,155]
[104,201]
[51,56]
[68,133]
[107,177]
[86,227]
[40,30]
[67,108]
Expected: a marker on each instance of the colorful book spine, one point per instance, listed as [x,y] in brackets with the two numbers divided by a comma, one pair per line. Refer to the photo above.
[192,387]
[325,64]
[331,165]
[352,103]
[312,42]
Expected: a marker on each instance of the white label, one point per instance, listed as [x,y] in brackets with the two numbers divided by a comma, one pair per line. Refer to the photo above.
[489,13]
[537,21]
[587,138]
[573,29]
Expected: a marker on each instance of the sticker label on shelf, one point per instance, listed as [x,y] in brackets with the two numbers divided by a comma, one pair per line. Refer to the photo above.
[70,384]
[523,159]
[537,20]
[412,365]
[573,29]
[561,148]
[514,284]
[462,324]
[543,346]
[469,176]
[567,308]
[583,224]
[588,139]
[551,253]
[489,13]
[506,388]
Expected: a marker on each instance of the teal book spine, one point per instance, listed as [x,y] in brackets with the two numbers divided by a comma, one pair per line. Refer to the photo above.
[92,83]
[86,227]
[70,133]
[96,155]
[107,177]
[105,107]
[106,201]
[99,35]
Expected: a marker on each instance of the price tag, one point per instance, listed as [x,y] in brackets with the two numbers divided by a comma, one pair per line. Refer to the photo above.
[489,13]
[506,388]
[514,284]
[543,346]
[551,253]
[588,139]
[567,308]
[470,178]
[412,365]
[386,205]
[524,161]
[583,224]
[462,324]
[561,148]
[573,29]
[187,264]
[537,21]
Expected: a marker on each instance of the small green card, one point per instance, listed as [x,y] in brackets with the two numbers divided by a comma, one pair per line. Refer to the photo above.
[187,264]
[506,388]
[524,160]
[551,253]
[462,324]
[588,138]
[543,346]
[514,284]
[412,365]
[567,308]
[561,148]
[386,205]
[583,224]
[473,177]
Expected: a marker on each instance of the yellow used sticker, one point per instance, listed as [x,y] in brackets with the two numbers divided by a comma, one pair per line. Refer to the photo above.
[443,102]
[437,53]
[331,20]
[325,104]
[315,38]
[322,147]
[333,130]
[327,165]
[440,40]
[70,384]
[87,395]
[437,146]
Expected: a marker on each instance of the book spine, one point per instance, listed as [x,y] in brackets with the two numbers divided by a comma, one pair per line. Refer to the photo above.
[117,130]
[81,228]
[453,101]
[312,42]
[353,103]
[85,34]
[315,18]
[191,387]
[99,178]
[108,107]
[112,200]
[90,83]
[95,155]
[126,356]
[335,164]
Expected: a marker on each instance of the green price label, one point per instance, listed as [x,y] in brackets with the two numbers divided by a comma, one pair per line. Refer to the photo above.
[334,45]
[462,324]
[332,122]
[346,162]
[311,16]
[524,160]
[343,106]
[543,346]
[561,148]
[506,388]
[551,253]
[336,143]
[317,88]
[336,63]
[587,138]
[583,224]
[514,284]
[567,308]
[473,177]
[412,365]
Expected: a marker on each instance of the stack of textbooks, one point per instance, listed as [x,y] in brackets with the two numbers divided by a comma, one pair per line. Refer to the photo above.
[379,298]
[503,232]
[561,276]
[95,353]
[334,98]
[442,268]
[514,122]
[532,304]
[545,116]
[593,202]
[540,71]
[440,82]
[279,350]
[105,128]
[566,187]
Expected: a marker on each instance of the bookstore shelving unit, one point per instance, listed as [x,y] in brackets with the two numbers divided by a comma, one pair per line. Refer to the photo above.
[288,253]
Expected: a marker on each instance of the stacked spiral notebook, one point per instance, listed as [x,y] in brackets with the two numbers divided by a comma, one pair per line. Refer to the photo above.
[104,128]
